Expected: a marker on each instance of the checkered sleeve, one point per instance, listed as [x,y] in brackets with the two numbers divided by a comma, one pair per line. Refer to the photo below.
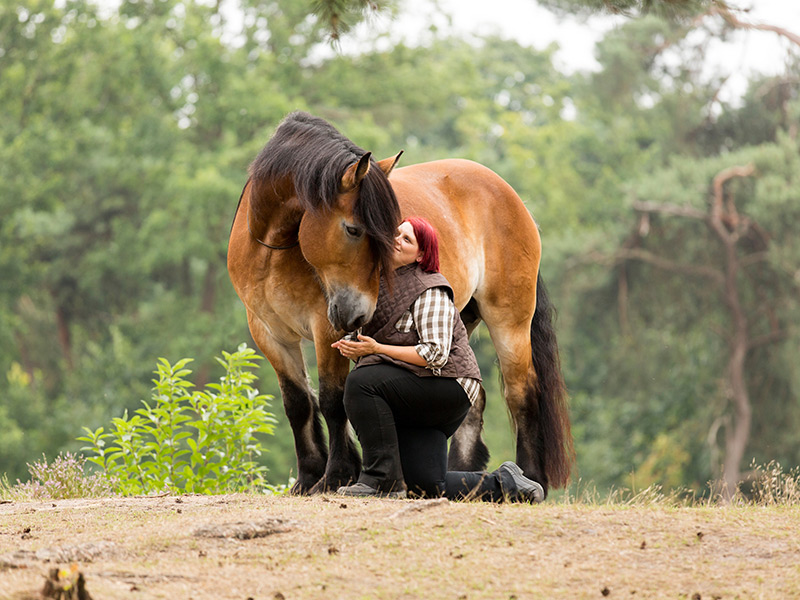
[433,314]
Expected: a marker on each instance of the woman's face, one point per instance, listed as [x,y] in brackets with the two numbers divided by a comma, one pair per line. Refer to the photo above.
[405,245]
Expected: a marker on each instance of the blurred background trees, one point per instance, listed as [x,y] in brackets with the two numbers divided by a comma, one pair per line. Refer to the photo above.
[124,145]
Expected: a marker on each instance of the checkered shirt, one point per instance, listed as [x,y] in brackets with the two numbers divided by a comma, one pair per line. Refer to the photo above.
[432,316]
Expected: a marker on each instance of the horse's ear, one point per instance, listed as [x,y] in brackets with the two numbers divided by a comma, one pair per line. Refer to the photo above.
[355,173]
[387,164]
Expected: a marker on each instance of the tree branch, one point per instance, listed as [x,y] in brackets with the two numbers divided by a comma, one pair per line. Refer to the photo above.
[724,12]
[716,214]
[662,263]
[767,338]
[670,209]
[754,258]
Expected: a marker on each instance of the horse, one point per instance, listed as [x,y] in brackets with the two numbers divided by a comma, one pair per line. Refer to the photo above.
[313,231]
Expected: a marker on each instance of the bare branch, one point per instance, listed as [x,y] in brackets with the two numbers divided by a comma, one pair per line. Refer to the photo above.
[670,209]
[754,258]
[767,338]
[724,12]
[716,214]
[668,265]
[723,176]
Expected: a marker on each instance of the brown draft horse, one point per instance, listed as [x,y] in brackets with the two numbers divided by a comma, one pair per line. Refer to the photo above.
[314,228]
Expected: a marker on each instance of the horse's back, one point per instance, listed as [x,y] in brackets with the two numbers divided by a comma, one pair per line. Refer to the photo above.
[462,183]
[490,245]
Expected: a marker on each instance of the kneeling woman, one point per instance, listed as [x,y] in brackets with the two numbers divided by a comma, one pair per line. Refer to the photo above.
[415,371]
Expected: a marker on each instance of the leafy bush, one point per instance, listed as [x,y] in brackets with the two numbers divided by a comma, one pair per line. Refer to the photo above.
[64,478]
[182,441]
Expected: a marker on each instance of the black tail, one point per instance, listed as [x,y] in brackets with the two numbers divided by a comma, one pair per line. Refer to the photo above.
[553,443]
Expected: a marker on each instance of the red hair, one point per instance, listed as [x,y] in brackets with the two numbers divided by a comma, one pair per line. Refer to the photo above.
[428,242]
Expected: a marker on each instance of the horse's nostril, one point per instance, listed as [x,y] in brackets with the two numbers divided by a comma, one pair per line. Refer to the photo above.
[334,316]
[348,310]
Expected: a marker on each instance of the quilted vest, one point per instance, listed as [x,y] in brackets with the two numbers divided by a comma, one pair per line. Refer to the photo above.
[409,282]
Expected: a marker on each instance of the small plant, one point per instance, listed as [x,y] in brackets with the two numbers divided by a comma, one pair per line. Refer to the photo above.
[772,486]
[182,441]
[64,478]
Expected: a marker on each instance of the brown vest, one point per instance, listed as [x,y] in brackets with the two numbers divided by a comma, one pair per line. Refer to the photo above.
[409,282]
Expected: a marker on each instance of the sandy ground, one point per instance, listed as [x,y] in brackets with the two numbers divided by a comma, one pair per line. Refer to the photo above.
[267,547]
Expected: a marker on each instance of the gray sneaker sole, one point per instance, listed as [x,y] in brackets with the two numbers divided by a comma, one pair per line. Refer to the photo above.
[349,493]
[534,495]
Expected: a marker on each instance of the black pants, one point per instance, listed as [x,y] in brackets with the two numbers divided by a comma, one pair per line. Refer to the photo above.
[403,422]
[423,455]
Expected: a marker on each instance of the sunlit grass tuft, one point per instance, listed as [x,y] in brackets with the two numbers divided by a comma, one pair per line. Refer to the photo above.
[586,494]
[769,485]
[765,485]
[65,477]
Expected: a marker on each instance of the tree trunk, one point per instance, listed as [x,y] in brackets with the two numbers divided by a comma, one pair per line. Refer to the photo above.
[729,228]
[207,304]
[737,436]
[64,336]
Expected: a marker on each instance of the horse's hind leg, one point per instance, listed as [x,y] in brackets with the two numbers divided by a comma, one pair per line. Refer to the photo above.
[468,452]
[299,403]
[513,346]
[535,392]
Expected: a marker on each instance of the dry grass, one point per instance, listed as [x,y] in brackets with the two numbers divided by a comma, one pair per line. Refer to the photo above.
[327,547]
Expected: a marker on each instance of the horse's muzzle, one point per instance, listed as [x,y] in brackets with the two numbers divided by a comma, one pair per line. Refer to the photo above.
[349,309]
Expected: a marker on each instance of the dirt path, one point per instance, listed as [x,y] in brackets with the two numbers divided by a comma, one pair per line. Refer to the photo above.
[256,547]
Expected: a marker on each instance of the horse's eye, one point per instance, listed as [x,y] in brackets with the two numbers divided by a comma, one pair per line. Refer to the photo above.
[353,231]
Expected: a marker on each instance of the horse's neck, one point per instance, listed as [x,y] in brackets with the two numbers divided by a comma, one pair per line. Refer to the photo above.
[275,212]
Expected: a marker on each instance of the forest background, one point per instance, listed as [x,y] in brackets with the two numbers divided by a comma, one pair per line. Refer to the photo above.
[668,215]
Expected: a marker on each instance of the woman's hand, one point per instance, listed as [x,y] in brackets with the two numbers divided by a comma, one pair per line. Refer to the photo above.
[367,345]
[353,350]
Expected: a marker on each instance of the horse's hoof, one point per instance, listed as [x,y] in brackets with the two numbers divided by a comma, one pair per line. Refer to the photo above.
[318,488]
[330,483]
[302,488]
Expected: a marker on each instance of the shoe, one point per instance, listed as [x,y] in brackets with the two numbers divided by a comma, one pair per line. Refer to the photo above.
[522,488]
[362,490]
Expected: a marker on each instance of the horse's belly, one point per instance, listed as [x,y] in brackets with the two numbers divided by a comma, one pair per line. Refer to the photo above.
[464,271]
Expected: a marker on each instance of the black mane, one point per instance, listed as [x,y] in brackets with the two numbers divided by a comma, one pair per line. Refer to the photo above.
[315,155]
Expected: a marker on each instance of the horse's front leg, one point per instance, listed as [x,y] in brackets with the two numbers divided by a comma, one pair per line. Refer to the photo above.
[303,414]
[299,403]
[344,461]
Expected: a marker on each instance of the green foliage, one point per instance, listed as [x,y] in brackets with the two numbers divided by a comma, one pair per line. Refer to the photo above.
[668,9]
[195,442]
[124,145]
[340,16]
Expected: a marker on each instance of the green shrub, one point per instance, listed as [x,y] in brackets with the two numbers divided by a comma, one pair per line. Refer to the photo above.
[189,441]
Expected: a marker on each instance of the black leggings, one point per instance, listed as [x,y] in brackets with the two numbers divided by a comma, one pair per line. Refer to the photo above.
[403,422]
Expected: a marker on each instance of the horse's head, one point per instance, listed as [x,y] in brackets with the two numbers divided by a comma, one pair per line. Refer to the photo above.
[351,240]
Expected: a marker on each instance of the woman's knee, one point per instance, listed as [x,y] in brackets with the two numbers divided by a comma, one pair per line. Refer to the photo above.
[358,387]
[358,378]
[356,384]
